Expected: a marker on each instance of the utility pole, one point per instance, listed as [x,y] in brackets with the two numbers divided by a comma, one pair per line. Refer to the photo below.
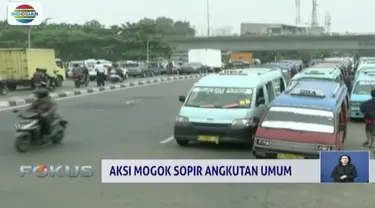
[29,32]
[208,17]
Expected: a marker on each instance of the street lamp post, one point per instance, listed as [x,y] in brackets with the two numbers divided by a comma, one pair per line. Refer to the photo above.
[29,37]
[29,32]
[208,17]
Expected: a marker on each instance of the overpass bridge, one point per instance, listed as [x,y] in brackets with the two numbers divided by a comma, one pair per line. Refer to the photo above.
[279,43]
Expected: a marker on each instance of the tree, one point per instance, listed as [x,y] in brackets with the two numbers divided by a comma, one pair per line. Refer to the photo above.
[94,40]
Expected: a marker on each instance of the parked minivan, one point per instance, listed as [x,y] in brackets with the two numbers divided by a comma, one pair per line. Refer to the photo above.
[227,107]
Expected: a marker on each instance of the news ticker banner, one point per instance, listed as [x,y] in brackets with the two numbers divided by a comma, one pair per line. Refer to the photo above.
[227,171]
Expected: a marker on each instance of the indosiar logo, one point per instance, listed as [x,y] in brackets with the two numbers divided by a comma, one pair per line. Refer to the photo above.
[24,13]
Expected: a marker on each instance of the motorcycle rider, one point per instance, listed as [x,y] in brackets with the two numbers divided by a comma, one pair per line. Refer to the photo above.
[86,73]
[39,77]
[49,80]
[77,71]
[118,70]
[45,105]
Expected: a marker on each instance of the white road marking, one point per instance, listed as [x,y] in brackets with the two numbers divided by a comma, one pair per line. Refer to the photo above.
[130,102]
[97,92]
[167,140]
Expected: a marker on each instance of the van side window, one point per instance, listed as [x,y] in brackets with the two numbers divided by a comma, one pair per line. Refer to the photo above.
[260,93]
[271,91]
[282,85]
[276,84]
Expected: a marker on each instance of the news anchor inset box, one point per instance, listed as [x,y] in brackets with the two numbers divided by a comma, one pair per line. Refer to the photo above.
[344,166]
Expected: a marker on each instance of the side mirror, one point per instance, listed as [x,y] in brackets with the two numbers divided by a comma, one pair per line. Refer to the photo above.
[15,111]
[181,98]
[260,101]
[342,127]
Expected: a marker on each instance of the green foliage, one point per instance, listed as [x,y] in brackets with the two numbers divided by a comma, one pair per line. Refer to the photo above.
[94,40]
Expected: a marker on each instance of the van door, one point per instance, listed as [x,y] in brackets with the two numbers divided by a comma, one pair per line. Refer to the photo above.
[271,90]
[260,107]
[341,78]
[279,85]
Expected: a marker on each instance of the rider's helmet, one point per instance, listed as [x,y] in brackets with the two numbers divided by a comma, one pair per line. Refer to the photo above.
[76,65]
[41,93]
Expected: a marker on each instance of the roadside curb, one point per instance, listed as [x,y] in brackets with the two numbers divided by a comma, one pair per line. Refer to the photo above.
[77,92]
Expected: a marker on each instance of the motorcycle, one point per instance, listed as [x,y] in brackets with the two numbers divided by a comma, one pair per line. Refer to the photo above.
[114,77]
[48,84]
[28,131]
[80,80]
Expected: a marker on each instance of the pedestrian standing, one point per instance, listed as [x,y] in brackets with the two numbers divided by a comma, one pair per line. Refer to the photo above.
[100,74]
[368,110]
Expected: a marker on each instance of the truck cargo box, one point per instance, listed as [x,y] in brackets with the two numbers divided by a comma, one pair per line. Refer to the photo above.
[20,63]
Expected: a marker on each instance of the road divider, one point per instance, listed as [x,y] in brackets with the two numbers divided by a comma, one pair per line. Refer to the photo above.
[78,92]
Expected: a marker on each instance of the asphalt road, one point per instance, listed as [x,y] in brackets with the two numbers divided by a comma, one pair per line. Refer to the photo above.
[131,124]
[67,86]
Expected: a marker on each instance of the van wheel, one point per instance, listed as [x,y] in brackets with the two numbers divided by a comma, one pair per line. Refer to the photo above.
[182,142]
[59,81]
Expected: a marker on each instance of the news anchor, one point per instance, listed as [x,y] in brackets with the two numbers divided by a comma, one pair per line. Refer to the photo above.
[345,171]
[344,166]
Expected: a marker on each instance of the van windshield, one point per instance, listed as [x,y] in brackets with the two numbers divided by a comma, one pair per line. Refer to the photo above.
[300,119]
[363,87]
[220,97]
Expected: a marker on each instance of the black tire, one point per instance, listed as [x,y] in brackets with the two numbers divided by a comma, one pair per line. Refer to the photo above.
[182,143]
[4,91]
[59,81]
[22,143]
[77,84]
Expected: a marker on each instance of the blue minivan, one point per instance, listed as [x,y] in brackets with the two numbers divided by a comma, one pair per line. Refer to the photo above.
[227,107]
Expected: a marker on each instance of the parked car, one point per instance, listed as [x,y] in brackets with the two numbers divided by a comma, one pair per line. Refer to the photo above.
[138,69]
[157,68]
[191,68]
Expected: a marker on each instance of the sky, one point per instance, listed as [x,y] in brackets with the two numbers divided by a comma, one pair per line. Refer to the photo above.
[355,16]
